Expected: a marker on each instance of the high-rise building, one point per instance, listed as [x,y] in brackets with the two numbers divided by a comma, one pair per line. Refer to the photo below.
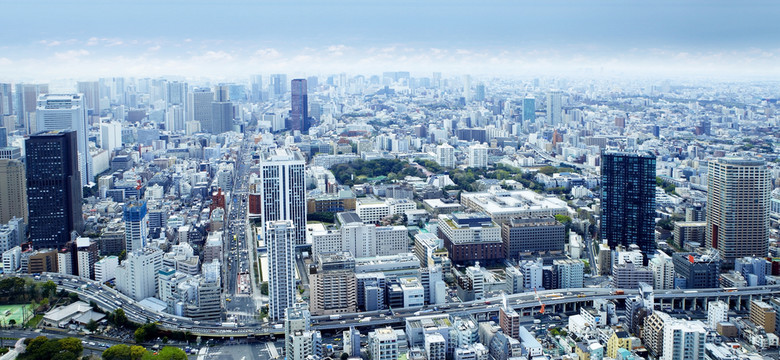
[199,108]
[445,155]
[53,188]
[299,115]
[91,91]
[763,315]
[554,116]
[529,109]
[738,208]
[136,225]
[717,312]
[383,344]
[256,86]
[221,117]
[13,190]
[628,200]
[67,112]
[6,100]
[296,318]
[27,97]
[278,86]
[283,191]
[333,284]
[86,257]
[280,242]
[110,135]
[177,93]
[478,156]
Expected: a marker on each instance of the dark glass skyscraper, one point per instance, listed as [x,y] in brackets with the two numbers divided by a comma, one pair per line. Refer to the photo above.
[628,199]
[299,116]
[53,188]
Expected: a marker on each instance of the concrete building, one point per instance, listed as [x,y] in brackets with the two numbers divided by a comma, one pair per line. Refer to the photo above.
[502,205]
[663,271]
[280,241]
[686,232]
[532,235]
[738,208]
[478,156]
[12,259]
[413,292]
[697,271]
[763,315]
[136,276]
[58,112]
[629,275]
[470,237]
[445,155]
[333,284]
[13,190]
[86,257]
[105,268]
[297,319]
[509,321]
[684,340]
[717,312]
[569,273]
[653,332]
[283,193]
[383,344]
[435,347]
[136,225]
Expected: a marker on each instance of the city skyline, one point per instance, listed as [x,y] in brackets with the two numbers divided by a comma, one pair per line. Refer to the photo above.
[720,39]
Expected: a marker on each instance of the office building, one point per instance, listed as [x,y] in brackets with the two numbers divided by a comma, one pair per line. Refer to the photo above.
[296,319]
[13,190]
[86,257]
[509,321]
[532,235]
[279,240]
[136,225]
[105,268]
[628,200]
[738,208]
[569,273]
[628,275]
[278,86]
[663,271]
[684,340]
[27,97]
[67,112]
[554,116]
[696,271]
[653,332]
[6,100]
[283,193]
[304,345]
[199,108]
[137,275]
[529,109]
[110,135]
[502,205]
[299,100]
[221,118]
[445,155]
[470,237]
[91,91]
[53,188]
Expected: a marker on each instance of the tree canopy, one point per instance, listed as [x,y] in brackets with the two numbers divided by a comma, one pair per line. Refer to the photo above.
[43,348]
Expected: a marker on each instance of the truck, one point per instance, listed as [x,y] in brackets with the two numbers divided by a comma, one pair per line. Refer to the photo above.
[229,324]
[619,292]
[335,317]
[365,319]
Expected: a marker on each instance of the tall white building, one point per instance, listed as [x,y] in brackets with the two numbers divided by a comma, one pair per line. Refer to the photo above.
[445,155]
[478,156]
[105,268]
[136,277]
[279,240]
[283,194]
[684,340]
[663,271]
[199,107]
[554,116]
[717,311]
[110,135]
[67,112]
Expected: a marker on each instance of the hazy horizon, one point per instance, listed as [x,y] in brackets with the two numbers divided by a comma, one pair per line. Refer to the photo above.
[87,39]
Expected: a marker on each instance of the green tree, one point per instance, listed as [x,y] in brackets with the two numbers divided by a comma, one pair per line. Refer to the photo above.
[92,325]
[344,356]
[48,288]
[170,353]
[71,344]
[117,352]
[12,322]
[140,335]
[73,297]
[264,288]
[122,255]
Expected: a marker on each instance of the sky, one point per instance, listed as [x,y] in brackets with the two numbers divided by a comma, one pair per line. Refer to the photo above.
[45,39]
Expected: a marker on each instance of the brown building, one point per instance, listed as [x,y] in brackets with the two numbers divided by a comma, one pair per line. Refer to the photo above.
[255,205]
[653,333]
[509,321]
[42,261]
[333,284]
[762,314]
[339,202]
[13,190]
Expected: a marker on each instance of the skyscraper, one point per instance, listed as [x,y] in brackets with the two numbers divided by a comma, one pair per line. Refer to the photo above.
[738,208]
[136,225]
[256,82]
[445,155]
[91,91]
[478,156]
[27,97]
[299,116]
[6,100]
[53,188]
[554,116]
[284,190]
[13,190]
[67,112]
[529,109]
[628,200]
[221,117]
[278,85]
[279,240]
[199,108]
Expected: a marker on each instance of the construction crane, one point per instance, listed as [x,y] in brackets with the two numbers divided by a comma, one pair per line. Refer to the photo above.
[541,311]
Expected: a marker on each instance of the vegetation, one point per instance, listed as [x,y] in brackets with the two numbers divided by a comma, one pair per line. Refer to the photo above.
[118,318]
[43,348]
[667,186]
[146,332]
[359,171]
[15,290]
[264,288]
[135,352]
[326,217]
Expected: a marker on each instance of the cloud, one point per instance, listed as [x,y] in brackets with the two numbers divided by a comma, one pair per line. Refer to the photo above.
[71,55]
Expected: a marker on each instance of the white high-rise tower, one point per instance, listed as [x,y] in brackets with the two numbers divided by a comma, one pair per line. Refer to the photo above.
[67,112]
[279,237]
[284,189]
